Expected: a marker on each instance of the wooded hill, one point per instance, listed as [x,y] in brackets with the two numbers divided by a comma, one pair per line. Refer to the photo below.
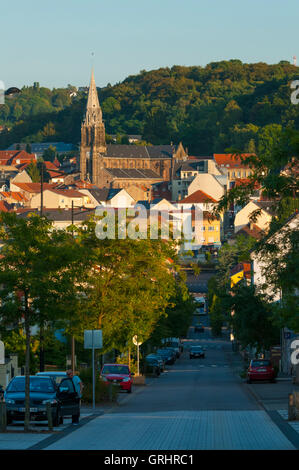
[210,109]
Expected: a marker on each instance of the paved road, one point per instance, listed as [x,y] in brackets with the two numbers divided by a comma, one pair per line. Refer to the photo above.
[196,404]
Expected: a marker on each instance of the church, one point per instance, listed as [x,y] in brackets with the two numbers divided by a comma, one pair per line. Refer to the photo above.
[121,166]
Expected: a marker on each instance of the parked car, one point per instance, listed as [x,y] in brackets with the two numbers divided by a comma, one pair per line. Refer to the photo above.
[167,355]
[260,369]
[118,374]
[160,360]
[63,398]
[152,365]
[198,327]
[196,351]
[173,343]
[55,375]
[172,351]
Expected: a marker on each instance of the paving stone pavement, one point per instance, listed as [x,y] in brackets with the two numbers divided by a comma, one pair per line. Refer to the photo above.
[183,430]
[293,424]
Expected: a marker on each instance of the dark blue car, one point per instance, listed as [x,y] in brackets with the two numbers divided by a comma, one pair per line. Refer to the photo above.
[63,398]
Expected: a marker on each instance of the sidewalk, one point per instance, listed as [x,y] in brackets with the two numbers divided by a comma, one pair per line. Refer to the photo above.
[273,397]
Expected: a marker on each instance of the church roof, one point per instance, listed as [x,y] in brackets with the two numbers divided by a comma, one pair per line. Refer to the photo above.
[132,173]
[139,151]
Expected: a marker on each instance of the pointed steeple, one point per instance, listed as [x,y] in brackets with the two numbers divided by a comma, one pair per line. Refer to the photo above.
[93,109]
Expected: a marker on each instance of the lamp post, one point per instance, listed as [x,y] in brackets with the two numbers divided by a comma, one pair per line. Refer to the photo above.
[41,328]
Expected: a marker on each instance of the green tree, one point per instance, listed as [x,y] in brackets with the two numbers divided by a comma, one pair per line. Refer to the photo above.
[128,287]
[252,318]
[36,270]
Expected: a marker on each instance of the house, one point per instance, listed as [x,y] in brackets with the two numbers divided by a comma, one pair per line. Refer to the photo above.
[5,207]
[59,198]
[263,218]
[15,157]
[240,271]
[22,177]
[62,218]
[108,197]
[233,166]
[160,190]
[15,199]
[198,199]
[185,171]
[30,189]
[209,184]
[38,148]
[259,268]
[206,231]
[140,192]
[211,230]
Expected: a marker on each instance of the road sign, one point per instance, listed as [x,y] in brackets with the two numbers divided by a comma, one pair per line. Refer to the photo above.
[135,341]
[93,339]
[2,353]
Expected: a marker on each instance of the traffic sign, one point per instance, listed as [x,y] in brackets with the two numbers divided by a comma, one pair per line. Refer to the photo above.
[135,341]
[93,339]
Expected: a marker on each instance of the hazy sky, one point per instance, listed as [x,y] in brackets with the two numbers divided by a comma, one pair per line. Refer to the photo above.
[52,41]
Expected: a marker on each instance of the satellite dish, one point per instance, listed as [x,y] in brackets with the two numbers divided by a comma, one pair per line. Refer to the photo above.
[135,341]
[12,91]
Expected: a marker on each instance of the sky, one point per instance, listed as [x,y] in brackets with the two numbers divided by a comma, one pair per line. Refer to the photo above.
[56,42]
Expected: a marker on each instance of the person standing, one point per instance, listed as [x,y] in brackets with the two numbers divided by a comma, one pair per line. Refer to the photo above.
[78,386]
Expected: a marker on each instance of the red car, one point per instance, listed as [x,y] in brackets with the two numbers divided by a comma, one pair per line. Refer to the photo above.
[118,374]
[260,369]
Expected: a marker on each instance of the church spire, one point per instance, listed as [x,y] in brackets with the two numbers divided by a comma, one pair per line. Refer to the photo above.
[93,109]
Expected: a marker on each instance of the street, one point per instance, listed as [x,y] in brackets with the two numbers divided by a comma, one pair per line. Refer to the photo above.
[196,404]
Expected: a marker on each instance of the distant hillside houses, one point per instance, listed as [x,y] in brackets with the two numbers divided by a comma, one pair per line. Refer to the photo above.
[39,148]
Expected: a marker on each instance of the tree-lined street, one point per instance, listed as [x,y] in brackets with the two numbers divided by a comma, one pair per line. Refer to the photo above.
[195,404]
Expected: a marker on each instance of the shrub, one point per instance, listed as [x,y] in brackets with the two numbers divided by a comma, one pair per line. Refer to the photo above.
[101,388]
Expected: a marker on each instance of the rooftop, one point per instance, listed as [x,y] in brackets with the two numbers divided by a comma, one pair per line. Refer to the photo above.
[198,197]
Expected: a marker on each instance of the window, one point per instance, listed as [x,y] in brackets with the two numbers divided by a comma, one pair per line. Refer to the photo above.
[211,228]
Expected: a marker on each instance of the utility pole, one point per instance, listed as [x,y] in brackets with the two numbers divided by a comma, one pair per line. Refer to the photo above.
[41,188]
[73,338]
[41,327]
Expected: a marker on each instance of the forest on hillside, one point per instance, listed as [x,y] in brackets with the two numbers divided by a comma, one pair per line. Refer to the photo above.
[227,104]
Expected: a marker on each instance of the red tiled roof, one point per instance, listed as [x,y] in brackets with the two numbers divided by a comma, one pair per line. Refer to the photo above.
[246,181]
[230,159]
[5,207]
[251,230]
[34,187]
[10,157]
[15,195]
[161,191]
[197,197]
[244,266]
